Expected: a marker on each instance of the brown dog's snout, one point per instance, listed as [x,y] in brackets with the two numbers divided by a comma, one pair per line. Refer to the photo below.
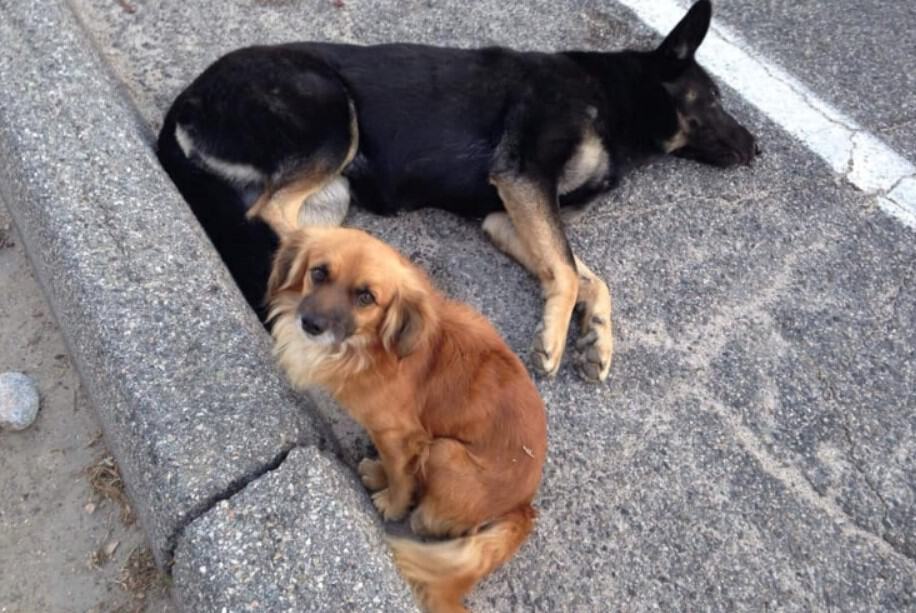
[325,311]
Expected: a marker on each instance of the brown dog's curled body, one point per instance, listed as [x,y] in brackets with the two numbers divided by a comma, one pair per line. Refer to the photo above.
[457,421]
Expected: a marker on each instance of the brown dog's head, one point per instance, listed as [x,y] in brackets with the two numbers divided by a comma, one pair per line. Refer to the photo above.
[340,299]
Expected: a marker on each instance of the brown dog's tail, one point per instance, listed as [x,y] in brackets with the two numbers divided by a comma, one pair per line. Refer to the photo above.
[442,573]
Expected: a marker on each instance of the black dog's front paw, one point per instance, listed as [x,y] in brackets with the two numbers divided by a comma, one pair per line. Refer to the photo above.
[594,351]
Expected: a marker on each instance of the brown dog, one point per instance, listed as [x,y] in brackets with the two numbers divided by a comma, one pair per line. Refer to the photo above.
[457,421]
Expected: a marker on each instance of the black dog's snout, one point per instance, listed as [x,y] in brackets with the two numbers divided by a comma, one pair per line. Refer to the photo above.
[746,148]
[752,152]
[313,325]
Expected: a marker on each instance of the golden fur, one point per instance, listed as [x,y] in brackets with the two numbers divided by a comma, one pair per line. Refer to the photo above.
[458,423]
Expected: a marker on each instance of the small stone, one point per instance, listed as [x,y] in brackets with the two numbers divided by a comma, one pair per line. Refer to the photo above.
[18,401]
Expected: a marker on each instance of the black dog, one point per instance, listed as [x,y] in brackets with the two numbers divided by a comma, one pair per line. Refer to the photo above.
[288,133]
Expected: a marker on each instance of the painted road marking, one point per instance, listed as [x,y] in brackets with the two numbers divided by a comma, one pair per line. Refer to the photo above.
[847,147]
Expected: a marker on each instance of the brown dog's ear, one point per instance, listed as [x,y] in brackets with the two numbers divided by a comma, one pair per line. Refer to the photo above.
[290,263]
[409,321]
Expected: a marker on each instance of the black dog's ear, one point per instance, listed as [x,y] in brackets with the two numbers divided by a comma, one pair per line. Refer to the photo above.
[682,42]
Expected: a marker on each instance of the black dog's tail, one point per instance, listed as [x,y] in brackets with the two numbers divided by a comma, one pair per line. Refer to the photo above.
[246,246]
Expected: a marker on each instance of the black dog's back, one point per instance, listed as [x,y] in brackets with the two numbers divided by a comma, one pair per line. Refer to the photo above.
[430,118]
[436,92]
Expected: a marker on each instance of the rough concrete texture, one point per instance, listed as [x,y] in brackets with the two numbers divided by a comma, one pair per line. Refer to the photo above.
[753,448]
[277,546]
[174,362]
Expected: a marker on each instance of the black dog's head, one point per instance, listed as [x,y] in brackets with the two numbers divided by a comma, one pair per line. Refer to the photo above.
[705,131]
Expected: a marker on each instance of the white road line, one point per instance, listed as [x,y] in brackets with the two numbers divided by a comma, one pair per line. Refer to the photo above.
[850,150]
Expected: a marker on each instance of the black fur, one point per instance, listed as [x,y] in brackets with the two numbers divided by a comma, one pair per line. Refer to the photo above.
[245,246]
[435,124]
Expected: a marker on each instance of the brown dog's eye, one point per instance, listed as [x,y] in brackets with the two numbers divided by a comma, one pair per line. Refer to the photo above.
[319,274]
[364,298]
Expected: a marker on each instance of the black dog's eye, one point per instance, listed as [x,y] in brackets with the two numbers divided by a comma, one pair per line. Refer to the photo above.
[364,298]
[319,273]
[693,123]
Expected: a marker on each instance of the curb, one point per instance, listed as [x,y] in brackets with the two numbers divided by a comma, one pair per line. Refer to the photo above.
[253,548]
[177,366]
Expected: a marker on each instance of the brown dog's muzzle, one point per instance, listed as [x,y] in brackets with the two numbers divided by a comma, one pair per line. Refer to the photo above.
[326,311]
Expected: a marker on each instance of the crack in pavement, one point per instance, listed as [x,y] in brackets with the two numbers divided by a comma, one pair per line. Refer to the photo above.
[236,486]
[857,465]
[700,349]
[796,482]
[830,396]
[326,443]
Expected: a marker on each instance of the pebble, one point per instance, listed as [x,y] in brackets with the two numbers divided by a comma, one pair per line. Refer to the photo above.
[18,401]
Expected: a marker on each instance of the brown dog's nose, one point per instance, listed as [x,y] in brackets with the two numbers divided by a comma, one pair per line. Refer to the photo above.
[314,325]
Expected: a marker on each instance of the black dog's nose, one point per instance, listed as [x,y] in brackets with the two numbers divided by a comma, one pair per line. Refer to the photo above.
[313,325]
[747,152]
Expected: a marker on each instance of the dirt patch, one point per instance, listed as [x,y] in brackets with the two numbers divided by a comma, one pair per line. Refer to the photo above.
[140,577]
[105,481]
[62,543]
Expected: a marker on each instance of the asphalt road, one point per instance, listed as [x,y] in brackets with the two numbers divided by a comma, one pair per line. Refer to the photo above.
[859,56]
[754,446]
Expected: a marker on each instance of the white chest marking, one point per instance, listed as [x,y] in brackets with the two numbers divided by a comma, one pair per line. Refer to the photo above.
[588,163]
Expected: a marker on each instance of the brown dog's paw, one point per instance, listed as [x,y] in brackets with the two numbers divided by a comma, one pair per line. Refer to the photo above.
[594,350]
[546,352]
[372,474]
[389,510]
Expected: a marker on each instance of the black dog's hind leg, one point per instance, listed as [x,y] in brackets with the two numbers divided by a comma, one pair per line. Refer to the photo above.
[317,196]
[313,194]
